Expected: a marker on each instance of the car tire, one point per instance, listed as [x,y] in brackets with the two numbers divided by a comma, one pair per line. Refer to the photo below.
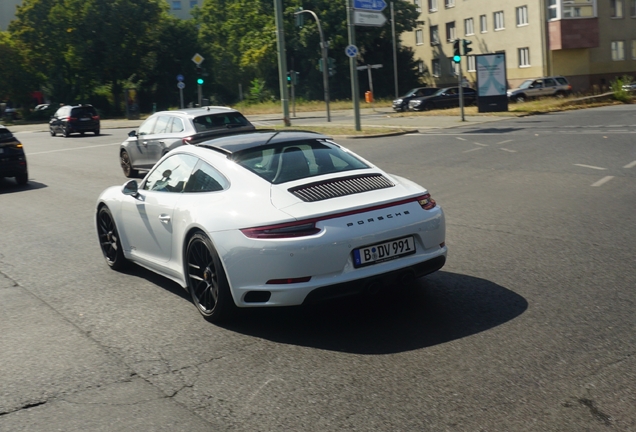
[126,165]
[67,133]
[96,131]
[207,281]
[109,240]
[52,131]
[520,98]
[559,95]
[22,179]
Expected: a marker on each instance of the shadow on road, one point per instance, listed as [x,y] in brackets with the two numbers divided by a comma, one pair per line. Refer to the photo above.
[439,308]
[493,130]
[8,185]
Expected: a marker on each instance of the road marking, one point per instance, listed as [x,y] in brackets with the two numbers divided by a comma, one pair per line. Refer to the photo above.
[590,166]
[460,138]
[602,181]
[506,141]
[471,150]
[511,151]
[630,165]
[483,145]
[72,148]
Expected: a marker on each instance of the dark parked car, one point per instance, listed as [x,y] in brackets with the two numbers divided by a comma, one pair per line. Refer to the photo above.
[74,119]
[166,130]
[402,103]
[12,158]
[444,98]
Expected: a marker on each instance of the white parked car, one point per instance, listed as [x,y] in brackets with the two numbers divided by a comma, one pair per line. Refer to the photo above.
[271,219]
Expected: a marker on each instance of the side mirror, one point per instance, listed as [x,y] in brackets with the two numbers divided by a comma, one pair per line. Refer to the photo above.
[132,134]
[131,188]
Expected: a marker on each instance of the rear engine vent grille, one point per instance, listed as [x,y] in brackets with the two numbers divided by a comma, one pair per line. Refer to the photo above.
[341,187]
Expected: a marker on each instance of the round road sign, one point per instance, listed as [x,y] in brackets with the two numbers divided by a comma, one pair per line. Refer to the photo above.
[179,77]
[181,85]
[351,51]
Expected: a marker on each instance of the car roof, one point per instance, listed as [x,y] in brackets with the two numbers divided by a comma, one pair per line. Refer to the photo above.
[242,141]
[195,112]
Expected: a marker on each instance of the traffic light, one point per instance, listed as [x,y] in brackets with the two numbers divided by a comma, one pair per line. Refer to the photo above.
[295,78]
[199,75]
[300,19]
[332,66]
[288,78]
[200,81]
[457,56]
[467,49]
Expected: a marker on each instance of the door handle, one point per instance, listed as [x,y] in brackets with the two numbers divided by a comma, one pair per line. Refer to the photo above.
[164,218]
[145,143]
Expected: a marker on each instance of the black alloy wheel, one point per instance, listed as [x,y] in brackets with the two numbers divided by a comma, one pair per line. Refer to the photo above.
[109,240]
[207,281]
[96,131]
[22,179]
[126,165]
[67,132]
[52,130]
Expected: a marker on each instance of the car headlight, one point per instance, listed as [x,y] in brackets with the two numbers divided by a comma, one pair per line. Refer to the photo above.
[398,101]
[416,103]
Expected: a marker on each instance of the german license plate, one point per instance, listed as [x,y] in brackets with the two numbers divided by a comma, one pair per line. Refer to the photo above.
[85,118]
[381,252]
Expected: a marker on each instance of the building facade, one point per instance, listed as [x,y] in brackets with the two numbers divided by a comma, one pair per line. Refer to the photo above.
[179,8]
[590,42]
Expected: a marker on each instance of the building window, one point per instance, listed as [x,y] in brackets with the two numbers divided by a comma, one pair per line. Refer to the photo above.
[176,5]
[450,31]
[194,3]
[469,27]
[472,65]
[617,8]
[449,3]
[499,20]
[434,35]
[483,24]
[418,5]
[432,5]
[524,57]
[632,8]
[436,68]
[618,50]
[553,9]
[420,67]
[522,16]
[419,37]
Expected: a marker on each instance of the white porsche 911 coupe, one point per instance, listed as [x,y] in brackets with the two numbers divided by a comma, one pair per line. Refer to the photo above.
[271,219]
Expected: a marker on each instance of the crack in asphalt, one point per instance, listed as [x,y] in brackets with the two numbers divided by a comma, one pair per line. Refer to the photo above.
[595,411]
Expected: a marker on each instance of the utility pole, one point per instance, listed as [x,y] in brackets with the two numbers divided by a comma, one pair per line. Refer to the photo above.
[282,61]
[352,66]
[395,68]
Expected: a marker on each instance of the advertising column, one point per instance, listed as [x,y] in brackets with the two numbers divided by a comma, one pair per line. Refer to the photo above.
[491,82]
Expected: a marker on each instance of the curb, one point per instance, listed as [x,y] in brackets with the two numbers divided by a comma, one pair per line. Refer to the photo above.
[387,134]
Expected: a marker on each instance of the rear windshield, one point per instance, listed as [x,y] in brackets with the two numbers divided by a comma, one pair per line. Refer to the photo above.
[83,112]
[216,121]
[4,133]
[296,160]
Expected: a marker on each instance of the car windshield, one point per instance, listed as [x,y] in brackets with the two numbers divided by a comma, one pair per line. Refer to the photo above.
[439,92]
[288,161]
[411,92]
[526,84]
[216,121]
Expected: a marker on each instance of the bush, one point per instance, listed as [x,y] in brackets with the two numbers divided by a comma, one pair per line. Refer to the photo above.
[620,92]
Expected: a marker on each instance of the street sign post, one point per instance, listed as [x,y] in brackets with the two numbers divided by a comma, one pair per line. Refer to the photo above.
[181,86]
[368,68]
[368,18]
[198,59]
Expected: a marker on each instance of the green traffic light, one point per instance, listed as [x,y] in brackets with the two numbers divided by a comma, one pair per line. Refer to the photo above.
[457,59]
[200,81]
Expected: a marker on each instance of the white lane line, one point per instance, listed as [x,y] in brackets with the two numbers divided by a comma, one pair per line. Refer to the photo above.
[630,165]
[460,138]
[479,144]
[506,141]
[590,166]
[511,151]
[71,148]
[602,181]
[472,150]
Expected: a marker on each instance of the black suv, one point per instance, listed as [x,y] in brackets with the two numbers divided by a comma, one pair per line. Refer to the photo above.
[74,119]
[12,159]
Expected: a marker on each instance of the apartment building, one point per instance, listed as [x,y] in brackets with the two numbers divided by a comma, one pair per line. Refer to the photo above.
[179,8]
[590,42]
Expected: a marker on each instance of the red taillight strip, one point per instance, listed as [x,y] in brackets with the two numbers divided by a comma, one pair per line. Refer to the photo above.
[425,201]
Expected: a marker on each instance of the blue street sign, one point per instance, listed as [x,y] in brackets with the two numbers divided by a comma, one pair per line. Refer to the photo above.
[179,77]
[372,5]
[351,51]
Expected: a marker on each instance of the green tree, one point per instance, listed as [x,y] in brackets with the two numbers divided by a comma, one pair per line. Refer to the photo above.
[16,81]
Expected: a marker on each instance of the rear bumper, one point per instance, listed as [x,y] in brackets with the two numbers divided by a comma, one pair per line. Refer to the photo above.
[12,166]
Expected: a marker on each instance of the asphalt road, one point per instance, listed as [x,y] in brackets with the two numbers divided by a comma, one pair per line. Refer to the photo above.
[529,327]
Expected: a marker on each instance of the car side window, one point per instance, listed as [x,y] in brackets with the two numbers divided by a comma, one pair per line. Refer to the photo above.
[562,81]
[146,127]
[205,179]
[549,82]
[177,125]
[171,175]
[162,125]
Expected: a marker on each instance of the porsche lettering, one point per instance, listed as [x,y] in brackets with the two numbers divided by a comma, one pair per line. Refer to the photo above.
[379,218]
